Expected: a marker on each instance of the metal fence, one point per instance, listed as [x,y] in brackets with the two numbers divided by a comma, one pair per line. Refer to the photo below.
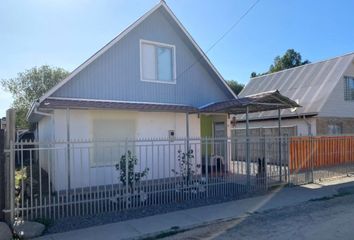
[76,178]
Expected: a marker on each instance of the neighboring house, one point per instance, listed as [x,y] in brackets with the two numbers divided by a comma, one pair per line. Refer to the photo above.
[325,90]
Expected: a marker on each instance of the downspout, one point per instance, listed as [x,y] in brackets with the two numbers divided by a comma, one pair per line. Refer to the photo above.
[51,115]
[309,127]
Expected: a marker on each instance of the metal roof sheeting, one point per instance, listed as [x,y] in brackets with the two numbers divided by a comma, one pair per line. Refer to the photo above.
[88,104]
[310,85]
[264,101]
[259,102]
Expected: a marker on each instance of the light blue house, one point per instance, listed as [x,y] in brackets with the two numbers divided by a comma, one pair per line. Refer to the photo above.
[148,82]
[151,81]
[139,85]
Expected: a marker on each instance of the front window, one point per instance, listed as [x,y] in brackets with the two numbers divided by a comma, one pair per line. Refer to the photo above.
[157,62]
[349,89]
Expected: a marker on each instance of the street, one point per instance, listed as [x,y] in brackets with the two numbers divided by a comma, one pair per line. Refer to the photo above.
[327,218]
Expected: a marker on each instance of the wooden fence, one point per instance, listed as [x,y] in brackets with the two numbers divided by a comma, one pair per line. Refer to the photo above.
[306,153]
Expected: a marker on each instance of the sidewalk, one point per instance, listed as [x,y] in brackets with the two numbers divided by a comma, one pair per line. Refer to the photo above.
[190,218]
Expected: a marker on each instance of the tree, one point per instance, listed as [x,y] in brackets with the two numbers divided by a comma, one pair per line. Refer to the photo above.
[30,85]
[235,86]
[290,59]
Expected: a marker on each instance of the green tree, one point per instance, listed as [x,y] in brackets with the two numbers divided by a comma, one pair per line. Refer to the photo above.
[30,85]
[235,86]
[290,59]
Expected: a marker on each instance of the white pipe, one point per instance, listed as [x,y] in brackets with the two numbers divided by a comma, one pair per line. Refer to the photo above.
[35,110]
[42,113]
[309,127]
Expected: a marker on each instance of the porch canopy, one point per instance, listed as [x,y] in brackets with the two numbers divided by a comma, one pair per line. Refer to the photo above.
[264,101]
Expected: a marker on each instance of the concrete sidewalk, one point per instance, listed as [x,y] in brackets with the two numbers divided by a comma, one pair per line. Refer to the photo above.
[190,218]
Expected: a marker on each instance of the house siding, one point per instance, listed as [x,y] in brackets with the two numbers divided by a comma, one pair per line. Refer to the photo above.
[346,125]
[115,75]
[302,126]
[336,106]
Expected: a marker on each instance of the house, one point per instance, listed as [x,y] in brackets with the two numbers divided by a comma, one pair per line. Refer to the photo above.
[151,81]
[325,90]
[138,86]
[141,78]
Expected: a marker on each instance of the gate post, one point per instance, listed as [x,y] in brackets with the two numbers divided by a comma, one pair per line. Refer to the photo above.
[9,166]
[2,173]
[12,181]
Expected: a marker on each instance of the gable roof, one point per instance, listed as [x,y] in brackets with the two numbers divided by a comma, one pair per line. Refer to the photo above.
[310,85]
[162,4]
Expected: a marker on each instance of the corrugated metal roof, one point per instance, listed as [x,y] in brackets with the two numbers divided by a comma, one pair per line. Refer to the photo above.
[258,102]
[87,104]
[310,84]
[264,101]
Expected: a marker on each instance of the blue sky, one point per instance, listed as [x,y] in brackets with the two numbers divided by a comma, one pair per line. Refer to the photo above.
[65,33]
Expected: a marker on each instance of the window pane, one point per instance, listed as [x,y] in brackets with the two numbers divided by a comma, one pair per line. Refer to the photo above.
[148,62]
[164,64]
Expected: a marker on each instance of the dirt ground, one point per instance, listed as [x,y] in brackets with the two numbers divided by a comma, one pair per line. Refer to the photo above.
[327,218]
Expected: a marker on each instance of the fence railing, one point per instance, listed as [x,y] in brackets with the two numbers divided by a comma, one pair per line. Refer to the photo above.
[76,178]
[64,179]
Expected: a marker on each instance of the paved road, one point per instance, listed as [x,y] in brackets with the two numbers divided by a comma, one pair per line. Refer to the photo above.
[316,220]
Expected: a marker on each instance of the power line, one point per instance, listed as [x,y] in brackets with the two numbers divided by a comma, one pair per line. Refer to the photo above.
[237,22]
[234,25]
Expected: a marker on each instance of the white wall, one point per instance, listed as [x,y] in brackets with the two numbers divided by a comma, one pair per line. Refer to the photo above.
[45,137]
[160,159]
[336,106]
[302,126]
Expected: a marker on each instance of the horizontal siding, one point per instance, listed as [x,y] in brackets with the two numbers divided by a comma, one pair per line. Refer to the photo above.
[115,75]
[336,106]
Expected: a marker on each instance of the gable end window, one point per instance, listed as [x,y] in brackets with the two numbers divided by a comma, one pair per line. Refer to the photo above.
[349,88]
[157,62]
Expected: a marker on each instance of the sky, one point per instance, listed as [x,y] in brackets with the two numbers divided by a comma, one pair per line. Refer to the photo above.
[64,33]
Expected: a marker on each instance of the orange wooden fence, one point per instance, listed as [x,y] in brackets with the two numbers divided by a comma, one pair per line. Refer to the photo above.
[319,152]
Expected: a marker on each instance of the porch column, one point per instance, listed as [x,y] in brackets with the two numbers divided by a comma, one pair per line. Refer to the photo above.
[248,166]
[68,145]
[187,148]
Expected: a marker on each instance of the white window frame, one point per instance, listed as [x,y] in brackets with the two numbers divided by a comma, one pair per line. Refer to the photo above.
[142,41]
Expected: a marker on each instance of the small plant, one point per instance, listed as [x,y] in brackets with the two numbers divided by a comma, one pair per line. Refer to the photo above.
[188,171]
[128,162]
[186,168]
